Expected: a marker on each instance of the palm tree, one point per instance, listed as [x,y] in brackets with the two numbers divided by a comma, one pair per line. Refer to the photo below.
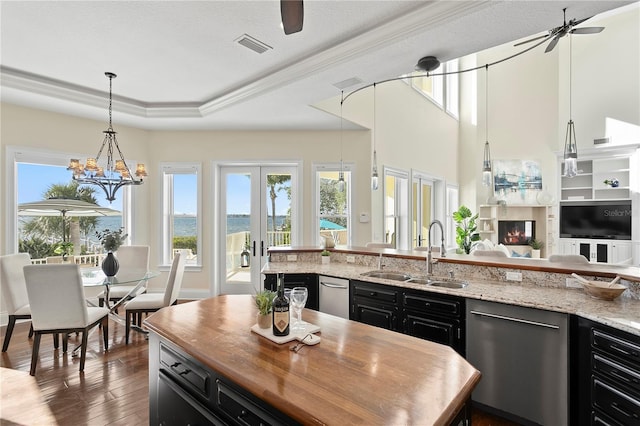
[73,226]
[274,181]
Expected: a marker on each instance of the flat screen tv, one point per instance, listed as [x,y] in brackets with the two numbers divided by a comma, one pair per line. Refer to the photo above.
[516,232]
[597,219]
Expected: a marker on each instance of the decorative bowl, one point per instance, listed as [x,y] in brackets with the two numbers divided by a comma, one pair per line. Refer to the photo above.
[601,290]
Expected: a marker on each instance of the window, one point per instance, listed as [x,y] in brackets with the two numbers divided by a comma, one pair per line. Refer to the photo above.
[443,90]
[42,174]
[181,212]
[452,88]
[333,206]
[396,208]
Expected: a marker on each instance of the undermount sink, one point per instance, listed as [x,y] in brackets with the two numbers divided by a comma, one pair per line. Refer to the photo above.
[449,284]
[397,276]
[420,281]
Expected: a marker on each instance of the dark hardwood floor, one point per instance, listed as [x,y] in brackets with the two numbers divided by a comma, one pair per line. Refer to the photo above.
[112,390]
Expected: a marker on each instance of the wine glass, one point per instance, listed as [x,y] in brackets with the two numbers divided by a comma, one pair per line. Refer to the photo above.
[298,299]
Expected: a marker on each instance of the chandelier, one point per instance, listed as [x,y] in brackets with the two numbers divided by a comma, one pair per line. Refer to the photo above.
[110,174]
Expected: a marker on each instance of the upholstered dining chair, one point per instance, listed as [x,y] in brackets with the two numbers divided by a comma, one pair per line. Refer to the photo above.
[152,302]
[130,258]
[58,305]
[14,291]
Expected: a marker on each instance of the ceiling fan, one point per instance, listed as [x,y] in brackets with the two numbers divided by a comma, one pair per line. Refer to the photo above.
[557,33]
[292,12]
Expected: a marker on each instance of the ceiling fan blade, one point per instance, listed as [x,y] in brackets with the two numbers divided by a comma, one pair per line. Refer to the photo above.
[531,39]
[573,22]
[587,30]
[292,12]
[552,45]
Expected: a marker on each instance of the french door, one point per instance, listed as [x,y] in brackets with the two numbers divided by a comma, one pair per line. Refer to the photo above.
[422,206]
[258,210]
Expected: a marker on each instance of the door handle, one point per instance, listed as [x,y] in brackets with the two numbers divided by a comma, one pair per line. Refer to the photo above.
[502,317]
[261,248]
[333,285]
[254,248]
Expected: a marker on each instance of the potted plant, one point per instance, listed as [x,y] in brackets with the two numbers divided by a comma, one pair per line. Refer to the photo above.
[264,301]
[324,255]
[612,182]
[465,229]
[64,249]
[110,241]
[536,246]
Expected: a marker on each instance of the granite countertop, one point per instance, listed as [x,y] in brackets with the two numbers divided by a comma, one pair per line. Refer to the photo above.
[622,313]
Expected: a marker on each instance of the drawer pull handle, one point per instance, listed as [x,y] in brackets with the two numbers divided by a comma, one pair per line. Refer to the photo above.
[185,372]
[621,411]
[623,378]
[427,304]
[373,293]
[622,351]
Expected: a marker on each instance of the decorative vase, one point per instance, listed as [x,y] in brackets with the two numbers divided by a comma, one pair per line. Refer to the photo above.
[535,254]
[264,321]
[110,265]
[325,260]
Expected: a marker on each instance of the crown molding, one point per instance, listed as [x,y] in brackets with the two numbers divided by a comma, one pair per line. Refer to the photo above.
[427,16]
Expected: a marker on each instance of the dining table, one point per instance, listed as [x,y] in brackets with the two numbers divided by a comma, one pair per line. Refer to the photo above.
[136,278]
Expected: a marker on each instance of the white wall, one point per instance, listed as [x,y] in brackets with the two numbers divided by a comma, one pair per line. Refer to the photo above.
[24,127]
[528,97]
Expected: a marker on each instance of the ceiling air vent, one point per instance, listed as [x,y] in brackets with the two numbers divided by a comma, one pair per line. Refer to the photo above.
[253,44]
[347,83]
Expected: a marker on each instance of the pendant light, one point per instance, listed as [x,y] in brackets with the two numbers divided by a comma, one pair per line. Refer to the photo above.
[374,174]
[486,162]
[570,144]
[113,173]
[341,174]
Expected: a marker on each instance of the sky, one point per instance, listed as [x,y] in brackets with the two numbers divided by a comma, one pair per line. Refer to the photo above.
[34,180]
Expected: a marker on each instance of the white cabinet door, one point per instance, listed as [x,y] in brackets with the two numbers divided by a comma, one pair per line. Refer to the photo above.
[567,246]
[621,253]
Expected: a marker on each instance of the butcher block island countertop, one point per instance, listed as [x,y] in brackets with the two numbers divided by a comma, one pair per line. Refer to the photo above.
[357,374]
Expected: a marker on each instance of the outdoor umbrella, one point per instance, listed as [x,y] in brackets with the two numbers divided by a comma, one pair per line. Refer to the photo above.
[66,208]
[327,224]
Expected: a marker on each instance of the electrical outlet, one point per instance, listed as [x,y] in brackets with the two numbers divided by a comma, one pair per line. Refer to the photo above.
[573,283]
[292,258]
[514,276]
[351,259]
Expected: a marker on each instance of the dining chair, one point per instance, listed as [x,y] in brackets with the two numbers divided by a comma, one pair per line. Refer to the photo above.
[130,258]
[152,302]
[14,292]
[568,258]
[58,305]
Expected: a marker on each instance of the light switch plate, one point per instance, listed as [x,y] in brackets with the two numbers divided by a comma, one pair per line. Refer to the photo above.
[514,276]
[292,257]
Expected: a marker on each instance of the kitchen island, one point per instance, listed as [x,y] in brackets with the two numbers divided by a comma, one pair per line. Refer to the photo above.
[204,353]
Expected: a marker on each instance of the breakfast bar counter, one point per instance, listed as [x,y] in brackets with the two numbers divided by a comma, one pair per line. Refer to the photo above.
[204,353]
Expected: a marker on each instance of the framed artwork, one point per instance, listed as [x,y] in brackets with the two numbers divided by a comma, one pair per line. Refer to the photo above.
[517,181]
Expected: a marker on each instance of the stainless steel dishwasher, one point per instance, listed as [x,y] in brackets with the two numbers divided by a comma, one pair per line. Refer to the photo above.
[522,354]
[334,296]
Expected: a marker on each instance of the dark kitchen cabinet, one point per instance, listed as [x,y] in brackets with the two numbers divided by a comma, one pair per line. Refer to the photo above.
[607,384]
[310,281]
[182,391]
[436,317]
[375,304]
